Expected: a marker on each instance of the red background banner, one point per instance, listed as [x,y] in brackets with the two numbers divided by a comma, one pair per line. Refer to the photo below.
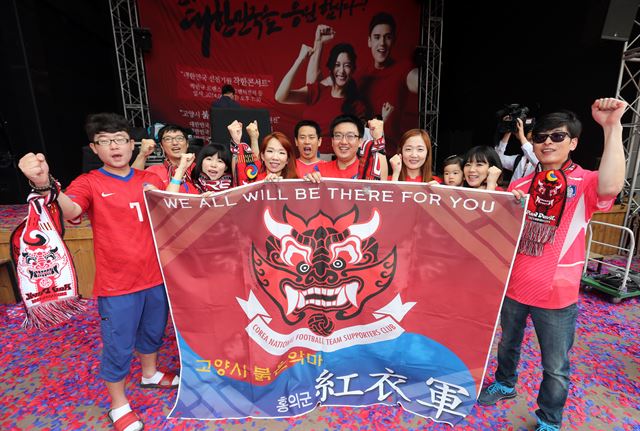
[199,45]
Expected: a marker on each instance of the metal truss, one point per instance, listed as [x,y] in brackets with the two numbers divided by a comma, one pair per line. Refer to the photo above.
[429,82]
[124,19]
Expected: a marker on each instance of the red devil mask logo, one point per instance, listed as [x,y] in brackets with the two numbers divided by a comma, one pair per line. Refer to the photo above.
[322,267]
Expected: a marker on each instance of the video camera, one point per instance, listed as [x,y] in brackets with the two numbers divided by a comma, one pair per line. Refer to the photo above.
[508,116]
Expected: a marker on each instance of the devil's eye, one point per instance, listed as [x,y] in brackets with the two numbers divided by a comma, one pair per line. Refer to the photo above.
[30,260]
[338,264]
[303,267]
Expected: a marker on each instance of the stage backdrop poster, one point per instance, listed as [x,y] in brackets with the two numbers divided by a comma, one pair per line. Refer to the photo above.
[200,45]
[286,295]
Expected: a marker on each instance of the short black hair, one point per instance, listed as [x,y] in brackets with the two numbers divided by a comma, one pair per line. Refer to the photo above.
[348,118]
[172,128]
[109,122]
[382,18]
[309,123]
[228,88]
[223,152]
[558,119]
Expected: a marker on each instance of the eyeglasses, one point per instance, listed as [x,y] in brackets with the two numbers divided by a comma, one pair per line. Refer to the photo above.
[106,142]
[349,137]
[540,138]
[178,139]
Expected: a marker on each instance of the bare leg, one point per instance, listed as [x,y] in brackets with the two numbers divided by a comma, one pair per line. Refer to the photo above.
[148,363]
[116,392]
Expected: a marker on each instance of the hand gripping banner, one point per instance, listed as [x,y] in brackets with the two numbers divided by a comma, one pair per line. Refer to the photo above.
[288,295]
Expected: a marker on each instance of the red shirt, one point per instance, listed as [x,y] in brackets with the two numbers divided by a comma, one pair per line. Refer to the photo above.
[306,168]
[162,171]
[552,280]
[322,108]
[125,254]
[378,86]
[331,170]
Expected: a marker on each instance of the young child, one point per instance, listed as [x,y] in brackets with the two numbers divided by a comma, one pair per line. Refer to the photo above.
[545,278]
[453,175]
[482,168]
[211,172]
[414,159]
[131,297]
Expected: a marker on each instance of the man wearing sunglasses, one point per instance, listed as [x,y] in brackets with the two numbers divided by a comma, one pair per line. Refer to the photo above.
[545,277]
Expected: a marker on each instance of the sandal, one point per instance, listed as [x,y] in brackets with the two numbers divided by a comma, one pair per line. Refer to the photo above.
[129,418]
[166,382]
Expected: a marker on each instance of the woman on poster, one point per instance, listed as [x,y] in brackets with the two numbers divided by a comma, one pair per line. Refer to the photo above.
[329,97]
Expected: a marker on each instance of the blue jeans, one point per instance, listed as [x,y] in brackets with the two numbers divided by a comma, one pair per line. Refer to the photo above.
[555,330]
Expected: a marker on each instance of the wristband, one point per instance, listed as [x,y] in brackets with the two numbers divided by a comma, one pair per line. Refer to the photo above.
[52,182]
[175,182]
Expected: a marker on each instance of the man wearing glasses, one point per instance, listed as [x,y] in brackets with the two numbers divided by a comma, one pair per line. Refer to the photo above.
[173,140]
[545,278]
[132,302]
[346,140]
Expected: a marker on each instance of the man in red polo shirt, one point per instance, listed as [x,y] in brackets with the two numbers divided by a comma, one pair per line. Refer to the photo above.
[346,137]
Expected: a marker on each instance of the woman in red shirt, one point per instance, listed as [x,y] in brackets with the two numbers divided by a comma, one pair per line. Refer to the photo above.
[329,96]
[277,158]
[414,159]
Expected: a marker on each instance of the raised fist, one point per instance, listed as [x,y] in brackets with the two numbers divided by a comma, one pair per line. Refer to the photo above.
[376,127]
[35,168]
[396,163]
[252,130]
[324,33]
[235,131]
[147,146]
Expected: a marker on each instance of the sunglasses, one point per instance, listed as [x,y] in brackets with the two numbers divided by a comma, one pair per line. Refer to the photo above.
[540,138]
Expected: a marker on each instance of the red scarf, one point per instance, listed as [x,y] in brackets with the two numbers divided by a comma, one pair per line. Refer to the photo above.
[246,166]
[46,275]
[171,170]
[370,156]
[548,195]
[204,184]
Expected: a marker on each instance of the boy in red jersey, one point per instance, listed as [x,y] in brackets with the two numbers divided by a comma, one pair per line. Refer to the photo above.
[128,283]
[545,277]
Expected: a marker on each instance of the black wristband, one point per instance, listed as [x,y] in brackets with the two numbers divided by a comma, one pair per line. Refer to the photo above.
[52,183]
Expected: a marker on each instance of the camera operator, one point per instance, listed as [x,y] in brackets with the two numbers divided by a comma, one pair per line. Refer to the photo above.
[521,164]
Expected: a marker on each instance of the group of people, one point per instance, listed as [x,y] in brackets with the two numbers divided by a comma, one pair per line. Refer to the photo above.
[544,280]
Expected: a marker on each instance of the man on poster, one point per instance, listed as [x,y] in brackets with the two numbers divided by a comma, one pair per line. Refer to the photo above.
[389,84]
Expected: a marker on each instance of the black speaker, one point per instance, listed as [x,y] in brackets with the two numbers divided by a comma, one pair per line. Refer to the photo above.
[619,20]
[142,38]
[420,56]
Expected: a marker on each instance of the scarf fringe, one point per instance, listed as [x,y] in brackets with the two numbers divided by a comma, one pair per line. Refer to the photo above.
[535,236]
[52,313]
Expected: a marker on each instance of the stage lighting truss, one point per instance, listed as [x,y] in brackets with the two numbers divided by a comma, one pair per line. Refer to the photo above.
[430,67]
[124,20]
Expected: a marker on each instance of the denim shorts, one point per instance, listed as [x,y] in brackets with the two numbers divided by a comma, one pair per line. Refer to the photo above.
[132,321]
